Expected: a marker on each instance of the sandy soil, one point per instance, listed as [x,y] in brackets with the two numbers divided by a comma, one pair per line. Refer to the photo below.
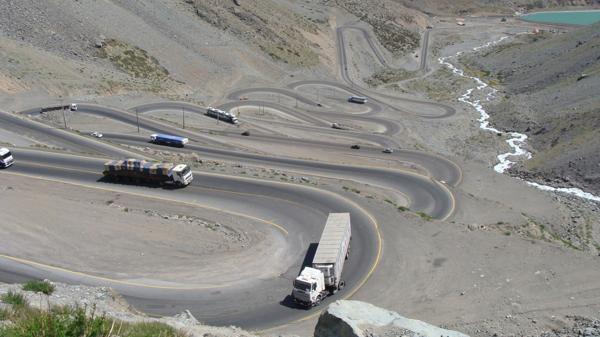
[162,241]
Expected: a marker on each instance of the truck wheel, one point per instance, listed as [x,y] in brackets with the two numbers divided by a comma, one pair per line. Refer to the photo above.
[342,285]
[178,184]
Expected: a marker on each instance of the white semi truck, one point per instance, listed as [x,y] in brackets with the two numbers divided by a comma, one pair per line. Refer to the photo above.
[6,158]
[324,276]
[136,170]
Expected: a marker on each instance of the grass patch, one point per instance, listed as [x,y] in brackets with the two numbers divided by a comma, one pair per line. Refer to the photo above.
[13,298]
[74,322]
[133,60]
[386,76]
[403,208]
[39,287]
[425,216]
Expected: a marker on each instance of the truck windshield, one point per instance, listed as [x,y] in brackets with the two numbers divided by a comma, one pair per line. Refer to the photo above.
[302,285]
[4,156]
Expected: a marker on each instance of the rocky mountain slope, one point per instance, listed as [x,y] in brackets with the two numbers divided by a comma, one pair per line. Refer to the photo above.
[550,92]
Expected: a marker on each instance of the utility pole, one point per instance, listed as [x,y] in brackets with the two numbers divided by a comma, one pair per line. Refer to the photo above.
[183,116]
[62,107]
[64,118]
[137,119]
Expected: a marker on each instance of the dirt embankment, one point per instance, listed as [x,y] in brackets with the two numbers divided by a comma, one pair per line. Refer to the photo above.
[549,90]
[273,27]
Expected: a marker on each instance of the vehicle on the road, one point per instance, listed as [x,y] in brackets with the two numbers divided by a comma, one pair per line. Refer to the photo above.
[355,147]
[358,99]
[73,107]
[336,126]
[221,115]
[139,171]
[6,158]
[170,140]
[324,276]
[96,134]
[388,150]
[246,133]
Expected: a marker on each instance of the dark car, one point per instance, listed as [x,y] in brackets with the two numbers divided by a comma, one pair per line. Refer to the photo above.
[355,147]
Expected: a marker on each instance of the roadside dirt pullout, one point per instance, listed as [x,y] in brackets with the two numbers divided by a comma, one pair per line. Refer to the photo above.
[161,241]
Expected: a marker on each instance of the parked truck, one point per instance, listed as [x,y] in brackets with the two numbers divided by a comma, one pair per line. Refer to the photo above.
[6,158]
[162,139]
[137,170]
[324,276]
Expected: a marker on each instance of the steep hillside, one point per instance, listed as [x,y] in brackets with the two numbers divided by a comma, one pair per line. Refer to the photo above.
[166,35]
[272,26]
[550,84]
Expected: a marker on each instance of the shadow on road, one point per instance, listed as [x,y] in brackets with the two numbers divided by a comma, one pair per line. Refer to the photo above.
[134,182]
[288,301]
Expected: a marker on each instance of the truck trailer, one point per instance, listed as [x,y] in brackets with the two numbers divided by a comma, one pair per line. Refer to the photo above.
[324,276]
[221,115]
[138,171]
[162,139]
[358,99]
[6,158]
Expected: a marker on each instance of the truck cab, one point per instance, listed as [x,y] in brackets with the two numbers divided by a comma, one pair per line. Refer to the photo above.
[182,175]
[309,287]
[6,158]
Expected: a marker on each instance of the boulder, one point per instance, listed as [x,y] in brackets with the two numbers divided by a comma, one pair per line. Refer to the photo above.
[360,319]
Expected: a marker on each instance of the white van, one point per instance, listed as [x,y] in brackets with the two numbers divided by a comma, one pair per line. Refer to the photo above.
[6,158]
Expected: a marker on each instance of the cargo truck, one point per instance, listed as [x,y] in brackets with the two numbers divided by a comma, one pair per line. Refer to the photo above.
[358,99]
[221,115]
[324,276]
[139,171]
[6,158]
[162,139]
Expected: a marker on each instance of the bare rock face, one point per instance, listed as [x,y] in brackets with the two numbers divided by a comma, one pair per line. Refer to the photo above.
[360,319]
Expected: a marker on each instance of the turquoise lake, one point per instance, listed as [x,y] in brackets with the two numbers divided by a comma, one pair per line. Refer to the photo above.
[568,17]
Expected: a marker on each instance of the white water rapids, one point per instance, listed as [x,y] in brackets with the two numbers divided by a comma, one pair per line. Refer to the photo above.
[517,140]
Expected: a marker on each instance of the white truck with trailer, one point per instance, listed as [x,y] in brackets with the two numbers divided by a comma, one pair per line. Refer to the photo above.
[138,171]
[324,276]
[6,158]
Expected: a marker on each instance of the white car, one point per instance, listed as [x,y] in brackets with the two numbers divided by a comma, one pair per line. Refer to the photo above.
[96,134]
[388,150]
[73,107]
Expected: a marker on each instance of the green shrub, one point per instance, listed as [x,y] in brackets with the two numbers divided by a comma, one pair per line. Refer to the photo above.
[425,216]
[39,287]
[13,298]
[73,322]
